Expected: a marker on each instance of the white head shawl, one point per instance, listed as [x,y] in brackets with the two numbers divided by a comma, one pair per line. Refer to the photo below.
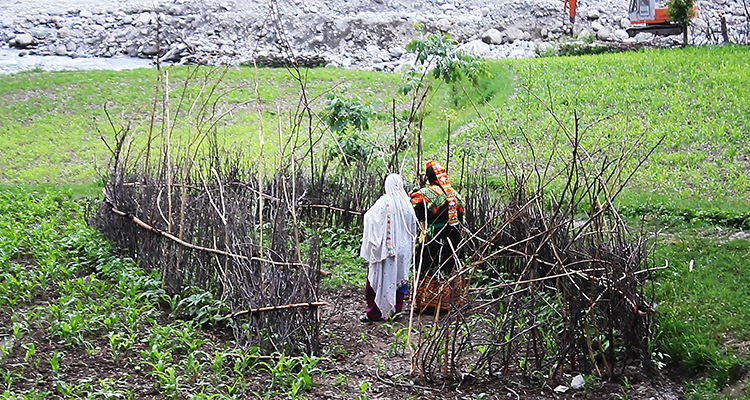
[390,227]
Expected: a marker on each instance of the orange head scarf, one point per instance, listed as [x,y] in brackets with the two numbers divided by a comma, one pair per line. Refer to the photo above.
[442,180]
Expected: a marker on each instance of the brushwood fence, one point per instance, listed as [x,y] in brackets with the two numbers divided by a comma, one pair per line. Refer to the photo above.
[252,245]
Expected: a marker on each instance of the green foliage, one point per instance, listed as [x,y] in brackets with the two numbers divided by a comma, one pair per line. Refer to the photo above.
[681,10]
[340,252]
[703,304]
[292,374]
[202,306]
[342,114]
[75,291]
[702,156]
[579,49]
[673,216]
[450,65]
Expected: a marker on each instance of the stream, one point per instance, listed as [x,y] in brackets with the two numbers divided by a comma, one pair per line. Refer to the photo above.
[11,62]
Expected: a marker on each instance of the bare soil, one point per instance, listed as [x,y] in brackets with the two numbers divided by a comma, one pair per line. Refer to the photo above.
[354,352]
[365,352]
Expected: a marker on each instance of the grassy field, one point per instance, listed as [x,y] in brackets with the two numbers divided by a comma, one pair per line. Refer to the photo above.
[694,187]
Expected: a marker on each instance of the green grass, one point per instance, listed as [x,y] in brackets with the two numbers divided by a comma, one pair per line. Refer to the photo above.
[704,303]
[693,97]
[52,123]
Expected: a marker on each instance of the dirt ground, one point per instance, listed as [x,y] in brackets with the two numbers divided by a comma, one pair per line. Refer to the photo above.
[355,355]
[365,352]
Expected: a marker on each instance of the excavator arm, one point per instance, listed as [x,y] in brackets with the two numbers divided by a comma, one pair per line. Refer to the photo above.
[570,8]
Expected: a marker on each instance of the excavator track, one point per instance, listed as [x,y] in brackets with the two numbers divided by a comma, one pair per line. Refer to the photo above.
[664,29]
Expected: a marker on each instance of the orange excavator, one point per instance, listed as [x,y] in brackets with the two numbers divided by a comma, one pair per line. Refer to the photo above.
[644,17]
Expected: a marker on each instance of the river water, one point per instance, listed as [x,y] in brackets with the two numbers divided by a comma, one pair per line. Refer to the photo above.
[12,62]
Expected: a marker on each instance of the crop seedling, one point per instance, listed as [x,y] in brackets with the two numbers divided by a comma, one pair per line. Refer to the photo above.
[363,388]
[55,363]
[30,355]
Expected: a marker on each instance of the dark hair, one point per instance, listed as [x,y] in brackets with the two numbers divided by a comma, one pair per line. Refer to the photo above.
[431,177]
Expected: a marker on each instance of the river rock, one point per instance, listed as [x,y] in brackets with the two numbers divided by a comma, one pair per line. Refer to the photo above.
[61,50]
[476,47]
[63,32]
[622,34]
[514,34]
[493,36]
[605,34]
[522,53]
[593,15]
[230,31]
[143,19]
[150,50]
[23,41]
[644,37]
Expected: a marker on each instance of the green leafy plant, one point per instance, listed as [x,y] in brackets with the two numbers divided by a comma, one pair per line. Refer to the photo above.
[448,64]
[363,388]
[202,307]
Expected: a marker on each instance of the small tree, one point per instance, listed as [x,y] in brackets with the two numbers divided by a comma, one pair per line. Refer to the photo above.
[681,11]
[347,118]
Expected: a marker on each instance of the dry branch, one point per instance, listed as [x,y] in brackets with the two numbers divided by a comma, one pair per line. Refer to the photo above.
[183,243]
[273,308]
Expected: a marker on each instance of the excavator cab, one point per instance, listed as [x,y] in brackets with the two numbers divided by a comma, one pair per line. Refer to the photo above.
[641,10]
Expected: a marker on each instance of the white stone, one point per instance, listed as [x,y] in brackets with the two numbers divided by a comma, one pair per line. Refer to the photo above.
[63,32]
[61,50]
[71,46]
[593,14]
[584,33]
[85,14]
[543,48]
[476,47]
[493,36]
[644,36]
[596,27]
[561,389]
[396,51]
[578,382]
[514,34]
[625,23]
[605,34]
[577,28]
[622,34]
[521,53]
[24,40]
[143,19]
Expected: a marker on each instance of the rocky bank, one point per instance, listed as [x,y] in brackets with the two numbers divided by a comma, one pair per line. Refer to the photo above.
[350,33]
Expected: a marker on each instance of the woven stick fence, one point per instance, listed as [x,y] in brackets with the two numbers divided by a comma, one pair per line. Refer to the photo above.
[555,277]
[214,220]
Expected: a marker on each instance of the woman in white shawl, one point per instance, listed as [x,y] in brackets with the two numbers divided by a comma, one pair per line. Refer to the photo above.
[390,227]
